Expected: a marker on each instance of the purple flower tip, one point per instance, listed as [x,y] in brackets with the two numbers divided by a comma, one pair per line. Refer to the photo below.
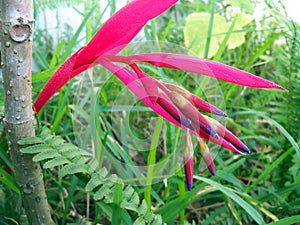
[185,122]
[213,172]
[210,130]
[189,186]
[223,114]
[245,148]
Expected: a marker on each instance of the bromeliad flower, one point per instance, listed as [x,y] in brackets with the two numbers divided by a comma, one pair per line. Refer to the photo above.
[172,102]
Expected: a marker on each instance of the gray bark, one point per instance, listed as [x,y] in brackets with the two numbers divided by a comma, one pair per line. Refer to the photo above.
[16,31]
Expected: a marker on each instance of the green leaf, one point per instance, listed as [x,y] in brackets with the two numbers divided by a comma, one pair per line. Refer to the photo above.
[36,149]
[196,29]
[267,172]
[139,221]
[9,180]
[157,220]
[31,141]
[94,182]
[57,141]
[69,150]
[46,155]
[143,208]
[274,123]
[230,178]
[56,162]
[104,191]
[72,169]
[117,210]
[286,221]
[231,194]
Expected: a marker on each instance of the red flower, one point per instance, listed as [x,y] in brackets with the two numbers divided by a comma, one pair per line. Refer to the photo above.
[174,103]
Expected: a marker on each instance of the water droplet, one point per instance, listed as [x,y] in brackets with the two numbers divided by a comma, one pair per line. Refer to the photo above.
[11,84]
[17,98]
[15,51]
[19,110]
[20,60]
[9,131]
[8,93]
[18,10]
[7,44]
[5,32]
[18,74]
[18,117]
[23,106]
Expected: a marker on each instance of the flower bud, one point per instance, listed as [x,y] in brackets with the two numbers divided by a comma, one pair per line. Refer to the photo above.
[192,113]
[188,152]
[228,135]
[207,157]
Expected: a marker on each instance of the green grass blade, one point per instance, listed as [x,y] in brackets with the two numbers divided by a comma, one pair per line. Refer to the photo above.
[151,161]
[286,221]
[70,198]
[116,210]
[273,122]
[210,28]
[231,194]
[225,40]
[268,170]
[261,50]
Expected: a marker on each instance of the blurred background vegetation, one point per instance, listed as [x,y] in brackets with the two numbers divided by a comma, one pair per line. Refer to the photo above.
[95,113]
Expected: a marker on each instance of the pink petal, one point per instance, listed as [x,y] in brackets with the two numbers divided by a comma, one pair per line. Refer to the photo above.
[206,106]
[133,82]
[118,31]
[200,66]
[58,79]
[149,84]
[122,27]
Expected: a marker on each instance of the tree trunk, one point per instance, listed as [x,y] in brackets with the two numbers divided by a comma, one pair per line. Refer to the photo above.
[16,49]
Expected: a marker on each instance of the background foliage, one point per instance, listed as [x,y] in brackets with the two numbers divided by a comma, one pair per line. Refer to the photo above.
[93,171]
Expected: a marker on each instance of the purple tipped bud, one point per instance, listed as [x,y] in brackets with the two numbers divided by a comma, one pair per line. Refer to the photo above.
[189,172]
[188,152]
[228,135]
[195,100]
[164,101]
[192,113]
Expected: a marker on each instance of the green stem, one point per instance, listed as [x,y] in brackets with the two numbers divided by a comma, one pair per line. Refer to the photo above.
[117,210]
[181,187]
[151,161]
[210,28]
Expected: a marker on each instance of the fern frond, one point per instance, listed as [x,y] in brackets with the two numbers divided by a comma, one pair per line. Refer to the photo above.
[54,151]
